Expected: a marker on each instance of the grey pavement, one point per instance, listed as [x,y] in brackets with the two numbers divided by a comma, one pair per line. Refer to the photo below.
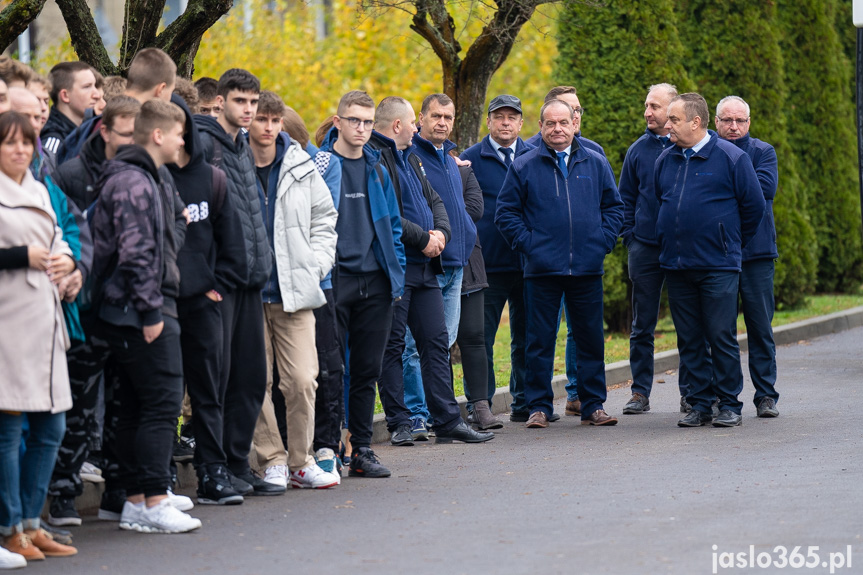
[644,497]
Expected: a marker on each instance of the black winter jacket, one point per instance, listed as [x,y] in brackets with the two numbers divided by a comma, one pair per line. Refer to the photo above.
[475,277]
[235,158]
[213,255]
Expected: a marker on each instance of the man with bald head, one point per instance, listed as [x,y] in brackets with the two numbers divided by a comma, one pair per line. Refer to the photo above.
[710,206]
[425,232]
[560,208]
[639,237]
[756,278]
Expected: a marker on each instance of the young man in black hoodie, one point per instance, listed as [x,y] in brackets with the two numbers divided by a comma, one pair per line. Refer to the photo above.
[212,264]
[135,259]
[244,369]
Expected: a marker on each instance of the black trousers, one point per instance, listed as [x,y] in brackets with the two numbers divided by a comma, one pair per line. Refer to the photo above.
[421,309]
[203,345]
[86,361]
[244,373]
[471,343]
[150,396]
[364,313]
[329,401]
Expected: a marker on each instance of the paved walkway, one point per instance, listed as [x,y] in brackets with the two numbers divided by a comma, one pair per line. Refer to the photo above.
[645,497]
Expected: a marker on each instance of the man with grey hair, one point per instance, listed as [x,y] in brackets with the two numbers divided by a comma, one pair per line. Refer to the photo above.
[560,208]
[710,206]
[756,279]
[639,236]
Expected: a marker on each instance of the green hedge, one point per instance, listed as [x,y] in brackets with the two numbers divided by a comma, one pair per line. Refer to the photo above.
[821,130]
[732,47]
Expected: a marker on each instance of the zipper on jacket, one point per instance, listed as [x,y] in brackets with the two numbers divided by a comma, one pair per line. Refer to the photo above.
[569,213]
[680,202]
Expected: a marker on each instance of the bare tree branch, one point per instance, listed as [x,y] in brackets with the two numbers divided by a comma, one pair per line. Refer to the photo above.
[15,18]
[140,24]
[181,39]
[85,35]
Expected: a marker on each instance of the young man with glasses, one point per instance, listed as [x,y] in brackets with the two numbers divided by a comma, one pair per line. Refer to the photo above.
[370,266]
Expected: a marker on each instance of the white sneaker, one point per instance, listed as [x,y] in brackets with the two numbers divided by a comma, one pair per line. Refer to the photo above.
[277,475]
[9,560]
[91,473]
[165,518]
[130,518]
[327,460]
[313,477]
[180,502]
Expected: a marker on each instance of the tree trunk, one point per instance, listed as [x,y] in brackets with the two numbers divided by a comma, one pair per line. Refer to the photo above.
[15,18]
[182,38]
[140,25]
[85,36]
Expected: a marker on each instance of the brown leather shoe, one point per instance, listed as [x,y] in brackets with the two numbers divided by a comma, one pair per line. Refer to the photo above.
[537,419]
[19,543]
[573,407]
[43,541]
[599,417]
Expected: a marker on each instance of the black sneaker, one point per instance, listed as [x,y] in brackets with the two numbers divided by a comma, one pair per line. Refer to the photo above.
[695,419]
[214,486]
[258,485]
[112,505]
[402,435]
[364,463]
[767,408]
[684,405]
[62,512]
[184,452]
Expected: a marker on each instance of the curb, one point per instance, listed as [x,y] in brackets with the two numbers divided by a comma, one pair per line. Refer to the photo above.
[615,374]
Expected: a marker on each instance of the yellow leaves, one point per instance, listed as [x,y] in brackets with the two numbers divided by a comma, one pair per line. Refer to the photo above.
[374,52]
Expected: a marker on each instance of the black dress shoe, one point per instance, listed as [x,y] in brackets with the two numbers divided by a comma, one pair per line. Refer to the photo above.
[554,417]
[519,416]
[462,432]
[767,408]
[695,419]
[727,418]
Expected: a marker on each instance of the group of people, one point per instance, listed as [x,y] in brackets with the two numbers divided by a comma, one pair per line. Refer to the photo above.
[159,236]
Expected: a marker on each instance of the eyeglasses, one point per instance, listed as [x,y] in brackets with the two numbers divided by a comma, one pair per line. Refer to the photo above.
[122,134]
[355,122]
[730,121]
[579,111]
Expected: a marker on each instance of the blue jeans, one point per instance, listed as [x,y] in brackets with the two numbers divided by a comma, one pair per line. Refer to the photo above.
[415,398]
[24,477]
[704,309]
[503,288]
[569,354]
[583,297]
[756,297]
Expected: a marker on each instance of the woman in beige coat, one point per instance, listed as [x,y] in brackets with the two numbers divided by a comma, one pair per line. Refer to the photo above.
[34,383]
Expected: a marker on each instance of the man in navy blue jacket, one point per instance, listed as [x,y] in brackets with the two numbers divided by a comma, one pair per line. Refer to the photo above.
[710,206]
[425,229]
[639,236]
[436,120]
[756,280]
[490,159]
[560,208]
[568,94]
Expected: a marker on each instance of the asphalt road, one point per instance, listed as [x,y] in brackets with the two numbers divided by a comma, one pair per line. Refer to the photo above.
[644,497]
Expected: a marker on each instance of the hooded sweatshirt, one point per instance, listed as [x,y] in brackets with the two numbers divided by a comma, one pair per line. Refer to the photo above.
[135,253]
[212,257]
